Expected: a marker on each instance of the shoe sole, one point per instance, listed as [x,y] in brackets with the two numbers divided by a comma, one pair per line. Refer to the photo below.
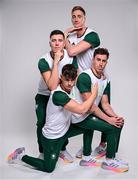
[84,163]
[96,157]
[79,157]
[121,170]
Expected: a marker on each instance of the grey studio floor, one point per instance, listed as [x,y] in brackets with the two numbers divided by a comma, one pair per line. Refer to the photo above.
[64,170]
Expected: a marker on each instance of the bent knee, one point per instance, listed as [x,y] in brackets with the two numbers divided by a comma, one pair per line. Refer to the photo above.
[49,169]
[116,129]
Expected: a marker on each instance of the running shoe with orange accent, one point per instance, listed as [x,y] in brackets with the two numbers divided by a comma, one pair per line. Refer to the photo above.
[91,162]
[16,155]
[66,156]
[115,165]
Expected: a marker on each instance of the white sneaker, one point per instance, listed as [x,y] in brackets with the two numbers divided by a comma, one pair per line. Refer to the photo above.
[79,153]
[16,156]
[90,161]
[99,151]
[66,156]
[114,165]
[121,161]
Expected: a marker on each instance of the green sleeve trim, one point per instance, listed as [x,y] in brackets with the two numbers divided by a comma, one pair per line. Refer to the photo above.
[107,91]
[74,62]
[93,39]
[60,98]
[43,65]
[84,83]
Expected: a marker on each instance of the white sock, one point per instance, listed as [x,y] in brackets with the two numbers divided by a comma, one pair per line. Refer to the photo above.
[86,158]
[21,155]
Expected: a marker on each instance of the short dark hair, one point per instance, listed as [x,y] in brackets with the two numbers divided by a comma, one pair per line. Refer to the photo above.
[102,51]
[56,32]
[78,8]
[69,71]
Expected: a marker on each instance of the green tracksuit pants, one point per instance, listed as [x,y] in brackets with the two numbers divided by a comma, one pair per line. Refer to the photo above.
[112,135]
[51,150]
[41,104]
[52,147]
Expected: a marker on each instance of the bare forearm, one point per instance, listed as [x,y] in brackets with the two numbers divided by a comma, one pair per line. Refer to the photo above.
[88,103]
[54,79]
[95,110]
[69,48]
[109,111]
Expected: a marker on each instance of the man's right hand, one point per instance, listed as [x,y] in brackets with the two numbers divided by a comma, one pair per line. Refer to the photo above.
[116,121]
[70,30]
[58,56]
[73,29]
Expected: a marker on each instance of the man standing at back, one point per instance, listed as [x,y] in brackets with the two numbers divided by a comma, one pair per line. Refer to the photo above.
[81,42]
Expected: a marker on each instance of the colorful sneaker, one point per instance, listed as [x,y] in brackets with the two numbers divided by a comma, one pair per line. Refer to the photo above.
[79,153]
[66,156]
[121,161]
[114,165]
[91,162]
[16,155]
[99,151]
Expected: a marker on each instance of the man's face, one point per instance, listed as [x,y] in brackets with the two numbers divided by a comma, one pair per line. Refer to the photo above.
[99,63]
[57,42]
[78,19]
[67,84]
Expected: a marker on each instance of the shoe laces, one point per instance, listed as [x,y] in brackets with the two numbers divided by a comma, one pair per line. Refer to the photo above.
[92,160]
[115,163]
[120,161]
[100,149]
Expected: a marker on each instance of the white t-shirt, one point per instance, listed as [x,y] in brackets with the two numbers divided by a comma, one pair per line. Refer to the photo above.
[43,88]
[87,79]
[85,58]
[58,119]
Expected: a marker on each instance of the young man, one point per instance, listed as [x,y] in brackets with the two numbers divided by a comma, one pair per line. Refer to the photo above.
[107,122]
[81,42]
[57,127]
[50,66]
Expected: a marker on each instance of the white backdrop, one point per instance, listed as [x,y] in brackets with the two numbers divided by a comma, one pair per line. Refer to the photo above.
[25,26]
